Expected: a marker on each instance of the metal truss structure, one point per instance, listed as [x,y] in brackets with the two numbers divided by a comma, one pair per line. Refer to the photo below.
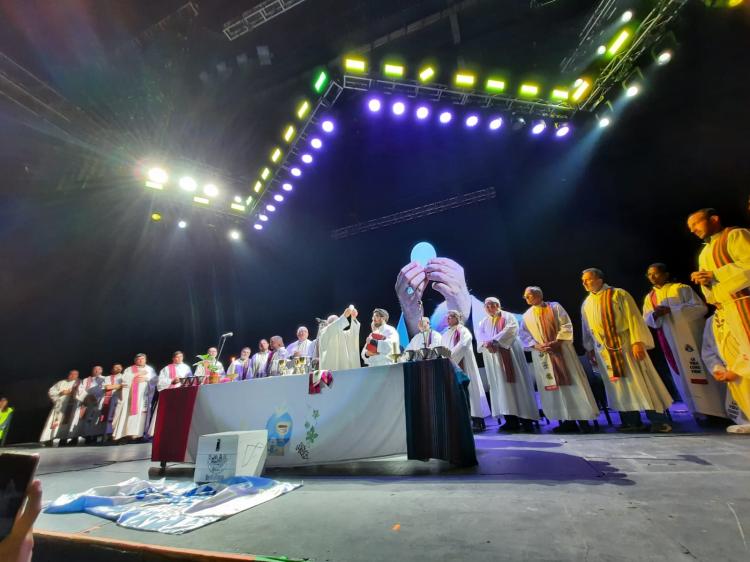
[589,36]
[653,26]
[257,16]
[441,93]
[415,213]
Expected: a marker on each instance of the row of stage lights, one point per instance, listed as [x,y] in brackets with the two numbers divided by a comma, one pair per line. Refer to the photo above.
[472,120]
[158,178]
[182,224]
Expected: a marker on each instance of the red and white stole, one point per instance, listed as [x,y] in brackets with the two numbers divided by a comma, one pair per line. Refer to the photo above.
[663,343]
[172,371]
[549,328]
[498,324]
[741,298]
[134,395]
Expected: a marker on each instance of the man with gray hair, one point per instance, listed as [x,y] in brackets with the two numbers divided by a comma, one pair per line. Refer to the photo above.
[382,341]
[616,338]
[302,347]
[278,352]
[426,337]
[547,332]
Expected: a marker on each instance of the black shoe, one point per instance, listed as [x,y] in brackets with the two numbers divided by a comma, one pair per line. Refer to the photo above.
[527,426]
[509,427]
[585,426]
[566,426]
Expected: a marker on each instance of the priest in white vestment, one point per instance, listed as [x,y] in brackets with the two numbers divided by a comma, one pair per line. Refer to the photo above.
[170,377]
[241,368]
[91,397]
[259,362]
[547,333]
[63,395]
[112,395]
[457,338]
[677,314]
[302,346]
[203,368]
[382,341]
[338,342]
[278,353]
[717,366]
[134,413]
[511,385]
[616,338]
[724,276]
[426,337]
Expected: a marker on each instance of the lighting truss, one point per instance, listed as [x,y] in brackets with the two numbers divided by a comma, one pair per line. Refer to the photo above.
[445,94]
[652,27]
[257,16]
[415,213]
[591,32]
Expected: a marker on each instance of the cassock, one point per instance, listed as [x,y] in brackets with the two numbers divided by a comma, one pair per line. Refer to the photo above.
[718,348]
[200,370]
[91,397]
[679,334]
[381,340]
[241,369]
[560,378]
[134,413]
[111,401]
[259,363]
[611,324]
[305,348]
[338,345]
[511,386]
[431,340]
[64,409]
[458,339]
[727,255]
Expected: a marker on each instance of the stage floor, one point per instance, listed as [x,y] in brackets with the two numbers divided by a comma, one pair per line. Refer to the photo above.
[606,496]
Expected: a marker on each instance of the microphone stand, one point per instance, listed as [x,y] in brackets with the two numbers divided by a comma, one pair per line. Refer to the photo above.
[221,346]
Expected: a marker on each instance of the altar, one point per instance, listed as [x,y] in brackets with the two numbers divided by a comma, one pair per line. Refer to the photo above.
[418,409]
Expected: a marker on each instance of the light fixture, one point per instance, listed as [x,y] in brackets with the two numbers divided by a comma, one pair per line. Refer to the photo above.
[276,155]
[538,127]
[580,88]
[201,200]
[562,129]
[263,217]
[270,207]
[265,173]
[249,200]
[316,143]
[303,109]
[182,224]
[289,133]
[445,117]
[603,121]
[321,79]
[237,199]
[158,175]
[258,186]
[307,158]
[495,85]
[234,234]
[618,42]
[398,108]
[529,90]
[560,94]
[394,70]
[427,73]
[258,226]
[355,65]
[296,172]
[465,79]
[626,16]
[423,112]
[287,186]
[472,120]
[211,190]
[633,84]
[188,184]
[496,123]
[601,49]
[664,57]
[374,105]
[156,217]
[278,197]
[237,207]
[327,126]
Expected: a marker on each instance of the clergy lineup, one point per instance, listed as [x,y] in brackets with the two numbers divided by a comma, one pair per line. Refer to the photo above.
[705,357]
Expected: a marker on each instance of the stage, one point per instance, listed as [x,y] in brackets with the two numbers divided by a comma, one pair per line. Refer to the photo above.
[604,496]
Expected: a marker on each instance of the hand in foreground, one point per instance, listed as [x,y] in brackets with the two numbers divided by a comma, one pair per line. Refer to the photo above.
[411,282]
[639,351]
[726,376]
[702,277]
[18,545]
[660,311]
[448,279]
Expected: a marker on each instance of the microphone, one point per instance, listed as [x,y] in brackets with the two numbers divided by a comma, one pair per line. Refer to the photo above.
[227,335]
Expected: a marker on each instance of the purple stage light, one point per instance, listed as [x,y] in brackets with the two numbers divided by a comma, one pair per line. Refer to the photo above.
[398,108]
[472,120]
[263,217]
[327,126]
[296,172]
[423,112]
[538,127]
[496,123]
[562,130]
[445,117]
[307,158]
[278,197]
[270,207]
[316,143]
[287,187]
[258,226]
[374,105]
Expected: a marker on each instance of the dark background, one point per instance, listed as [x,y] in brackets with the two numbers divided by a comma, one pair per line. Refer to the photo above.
[87,278]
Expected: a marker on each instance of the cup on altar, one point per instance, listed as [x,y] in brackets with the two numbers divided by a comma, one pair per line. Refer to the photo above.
[282,366]
[395,353]
[299,365]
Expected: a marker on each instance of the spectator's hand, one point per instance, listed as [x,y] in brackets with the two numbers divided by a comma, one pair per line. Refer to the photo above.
[410,285]
[449,280]
[639,351]
[18,545]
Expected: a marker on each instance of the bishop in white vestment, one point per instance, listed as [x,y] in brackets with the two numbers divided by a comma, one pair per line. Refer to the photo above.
[134,413]
[677,314]
[63,395]
[547,333]
[382,341]
[511,385]
[616,338]
[302,346]
[338,342]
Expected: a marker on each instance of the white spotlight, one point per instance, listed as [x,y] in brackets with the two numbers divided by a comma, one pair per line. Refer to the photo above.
[158,175]
[263,217]
[271,208]
[632,90]
[234,234]
[211,190]
[278,197]
[188,184]
[182,224]
[626,16]
[237,199]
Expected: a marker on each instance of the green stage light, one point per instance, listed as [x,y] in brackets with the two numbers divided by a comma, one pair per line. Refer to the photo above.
[580,88]
[529,90]
[249,200]
[393,70]
[355,65]
[560,94]
[426,74]
[303,109]
[618,42]
[289,133]
[237,207]
[201,200]
[465,79]
[265,173]
[495,85]
[276,155]
[257,187]
[319,84]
